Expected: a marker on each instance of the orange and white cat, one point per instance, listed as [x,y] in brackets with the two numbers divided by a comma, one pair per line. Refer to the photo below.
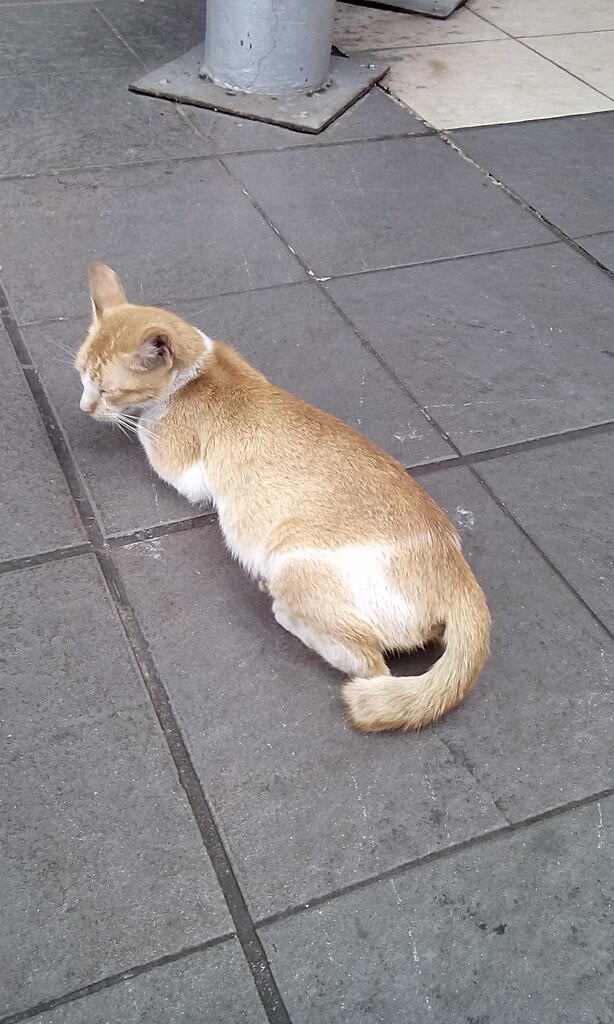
[357,558]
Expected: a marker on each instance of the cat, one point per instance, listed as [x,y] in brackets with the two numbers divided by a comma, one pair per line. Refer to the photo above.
[358,560]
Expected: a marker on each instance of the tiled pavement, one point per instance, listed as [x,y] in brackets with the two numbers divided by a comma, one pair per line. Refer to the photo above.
[491,61]
[189,831]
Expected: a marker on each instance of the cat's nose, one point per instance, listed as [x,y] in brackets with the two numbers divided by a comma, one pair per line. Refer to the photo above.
[88,403]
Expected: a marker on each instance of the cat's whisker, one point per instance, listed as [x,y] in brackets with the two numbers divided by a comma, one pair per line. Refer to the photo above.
[66,362]
[63,348]
[137,420]
[136,428]
[120,427]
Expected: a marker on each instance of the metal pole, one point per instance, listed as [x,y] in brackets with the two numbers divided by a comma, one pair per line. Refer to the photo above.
[268,47]
[269,60]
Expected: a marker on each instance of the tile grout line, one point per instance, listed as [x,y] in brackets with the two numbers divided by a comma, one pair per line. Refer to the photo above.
[482,482]
[45,557]
[296,910]
[75,317]
[560,235]
[436,855]
[567,71]
[523,42]
[119,36]
[420,470]
[58,73]
[486,837]
[552,565]
[114,979]
[163,530]
[52,172]
[433,422]
[251,945]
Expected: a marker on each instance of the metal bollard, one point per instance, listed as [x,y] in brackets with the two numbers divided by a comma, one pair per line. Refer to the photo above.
[269,60]
[269,47]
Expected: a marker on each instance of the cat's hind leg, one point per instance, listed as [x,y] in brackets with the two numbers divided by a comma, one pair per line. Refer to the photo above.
[311,602]
[354,655]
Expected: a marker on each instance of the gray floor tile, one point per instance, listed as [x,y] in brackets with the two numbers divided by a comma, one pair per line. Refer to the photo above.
[564,167]
[103,866]
[370,205]
[294,336]
[374,115]
[563,496]
[517,931]
[305,804]
[61,672]
[172,231]
[601,246]
[45,123]
[156,29]
[498,348]
[36,511]
[57,37]
[213,987]
[537,730]
[297,338]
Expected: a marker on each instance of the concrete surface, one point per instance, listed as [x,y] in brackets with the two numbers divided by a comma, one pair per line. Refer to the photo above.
[190,833]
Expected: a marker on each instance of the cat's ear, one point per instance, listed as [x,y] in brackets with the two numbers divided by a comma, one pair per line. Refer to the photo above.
[153,352]
[105,288]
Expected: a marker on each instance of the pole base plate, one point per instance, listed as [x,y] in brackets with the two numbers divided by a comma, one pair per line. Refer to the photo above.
[180,80]
[432,8]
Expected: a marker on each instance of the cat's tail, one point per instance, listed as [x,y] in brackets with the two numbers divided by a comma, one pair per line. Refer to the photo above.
[411,702]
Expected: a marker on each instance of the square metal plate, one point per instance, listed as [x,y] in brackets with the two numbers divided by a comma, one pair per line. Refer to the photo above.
[180,80]
[432,8]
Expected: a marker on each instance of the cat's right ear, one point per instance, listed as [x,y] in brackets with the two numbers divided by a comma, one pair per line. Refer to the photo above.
[105,288]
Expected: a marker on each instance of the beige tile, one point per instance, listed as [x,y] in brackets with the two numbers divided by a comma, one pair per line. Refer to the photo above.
[589,55]
[365,28]
[463,84]
[546,17]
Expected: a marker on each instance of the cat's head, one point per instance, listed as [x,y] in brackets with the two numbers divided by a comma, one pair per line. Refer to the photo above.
[132,354]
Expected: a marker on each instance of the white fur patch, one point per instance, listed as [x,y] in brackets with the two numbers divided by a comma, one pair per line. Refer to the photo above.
[207,341]
[90,395]
[254,560]
[363,569]
[193,484]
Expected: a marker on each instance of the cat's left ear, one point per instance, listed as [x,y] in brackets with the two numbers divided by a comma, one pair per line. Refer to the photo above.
[155,351]
[105,288]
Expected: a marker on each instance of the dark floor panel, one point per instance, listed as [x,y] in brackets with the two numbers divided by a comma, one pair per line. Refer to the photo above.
[297,338]
[518,931]
[47,122]
[601,247]
[293,335]
[537,730]
[213,987]
[57,37]
[498,348]
[172,231]
[374,115]
[157,30]
[104,867]
[370,205]
[564,167]
[563,496]
[36,511]
[305,804]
